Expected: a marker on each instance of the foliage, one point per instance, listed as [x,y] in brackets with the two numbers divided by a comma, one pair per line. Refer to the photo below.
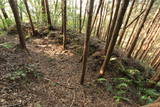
[6,45]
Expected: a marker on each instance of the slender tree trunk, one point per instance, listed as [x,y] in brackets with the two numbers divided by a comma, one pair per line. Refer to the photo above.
[86,44]
[64,10]
[100,20]
[155,58]
[150,43]
[30,18]
[14,8]
[114,36]
[4,13]
[84,18]
[55,12]
[110,20]
[98,9]
[43,7]
[4,25]
[140,28]
[125,24]
[48,16]
[80,17]
[109,35]
[135,25]
[147,32]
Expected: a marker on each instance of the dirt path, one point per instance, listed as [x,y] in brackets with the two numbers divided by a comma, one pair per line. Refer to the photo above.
[59,86]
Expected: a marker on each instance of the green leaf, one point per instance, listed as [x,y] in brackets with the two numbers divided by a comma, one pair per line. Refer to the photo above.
[101,79]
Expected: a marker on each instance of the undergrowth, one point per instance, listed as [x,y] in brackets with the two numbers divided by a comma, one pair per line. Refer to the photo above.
[130,83]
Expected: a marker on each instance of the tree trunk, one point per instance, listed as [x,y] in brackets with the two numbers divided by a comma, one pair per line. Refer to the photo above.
[135,25]
[64,10]
[98,9]
[147,32]
[86,44]
[114,36]
[155,58]
[150,43]
[30,18]
[100,20]
[18,23]
[125,24]
[80,17]
[109,35]
[55,12]
[48,16]
[43,7]
[4,13]
[84,18]
[110,20]
[140,28]
[4,25]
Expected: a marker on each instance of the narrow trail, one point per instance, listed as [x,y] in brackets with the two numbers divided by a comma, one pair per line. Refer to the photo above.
[60,84]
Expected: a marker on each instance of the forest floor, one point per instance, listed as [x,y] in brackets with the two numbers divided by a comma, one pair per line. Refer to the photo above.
[49,76]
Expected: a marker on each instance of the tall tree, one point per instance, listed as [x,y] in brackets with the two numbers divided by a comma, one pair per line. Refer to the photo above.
[14,8]
[86,44]
[110,20]
[48,15]
[34,33]
[140,28]
[114,36]
[125,24]
[80,17]
[112,26]
[147,32]
[64,19]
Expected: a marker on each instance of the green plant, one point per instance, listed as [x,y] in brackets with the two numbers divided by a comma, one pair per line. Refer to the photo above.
[6,45]
[119,98]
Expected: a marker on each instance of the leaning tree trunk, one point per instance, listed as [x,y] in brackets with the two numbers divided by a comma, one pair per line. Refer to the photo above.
[4,13]
[136,20]
[109,35]
[86,44]
[114,37]
[4,25]
[48,16]
[110,20]
[30,18]
[147,32]
[98,9]
[155,58]
[139,29]
[125,24]
[84,18]
[14,8]
[100,20]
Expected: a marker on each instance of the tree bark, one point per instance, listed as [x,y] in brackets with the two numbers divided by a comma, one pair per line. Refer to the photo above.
[80,17]
[64,17]
[113,22]
[30,18]
[86,44]
[116,30]
[139,29]
[125,24]
[18,23]
[147,32]
[48,16]
[4,13]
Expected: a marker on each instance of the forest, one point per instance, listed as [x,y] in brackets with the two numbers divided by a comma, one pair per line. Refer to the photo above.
[79,53]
